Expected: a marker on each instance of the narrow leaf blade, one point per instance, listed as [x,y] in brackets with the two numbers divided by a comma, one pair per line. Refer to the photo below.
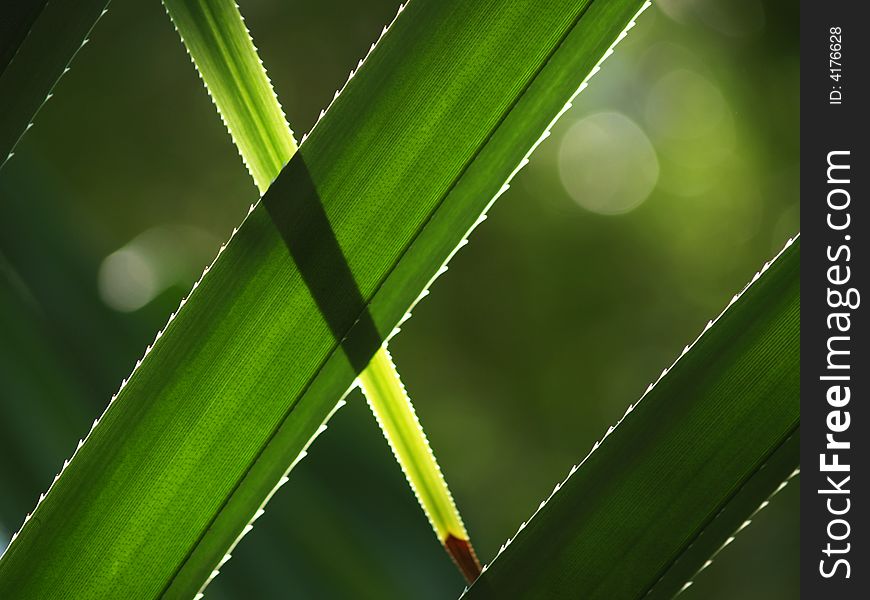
[400,168]
[222,50]
[707,445]
[54,36]
[220,45]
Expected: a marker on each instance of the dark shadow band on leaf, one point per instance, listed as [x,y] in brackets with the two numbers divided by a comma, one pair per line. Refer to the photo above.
[298,214]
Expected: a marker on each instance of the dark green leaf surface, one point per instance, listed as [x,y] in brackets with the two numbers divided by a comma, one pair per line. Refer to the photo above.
[61,350]
[17,19]
[404,163]
[47,41]
[224,54]
[49,398]
[683,471]
[30,370]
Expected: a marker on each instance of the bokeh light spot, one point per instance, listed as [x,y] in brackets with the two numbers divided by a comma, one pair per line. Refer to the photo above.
[607,163]
[151,263]
[127,280]
[684,105]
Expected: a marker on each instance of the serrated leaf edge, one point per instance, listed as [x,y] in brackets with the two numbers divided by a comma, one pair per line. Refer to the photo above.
[632,406]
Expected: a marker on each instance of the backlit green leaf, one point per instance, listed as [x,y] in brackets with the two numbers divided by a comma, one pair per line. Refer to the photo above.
[686,468]
[220,45]
[386,187]
[40,46]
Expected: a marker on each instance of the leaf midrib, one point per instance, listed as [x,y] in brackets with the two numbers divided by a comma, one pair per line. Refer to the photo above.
[715,513]
[338,343]
[253,115]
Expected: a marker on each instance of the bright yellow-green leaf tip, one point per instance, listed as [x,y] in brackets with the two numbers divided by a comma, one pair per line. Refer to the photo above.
[224,54]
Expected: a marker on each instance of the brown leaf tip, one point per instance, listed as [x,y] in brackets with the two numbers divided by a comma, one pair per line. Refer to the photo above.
[463,555]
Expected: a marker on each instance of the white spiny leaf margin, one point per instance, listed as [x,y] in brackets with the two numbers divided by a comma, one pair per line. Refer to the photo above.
[631,407]
[51,90]
[353,72]
[356,382]
[160,333]
[249,527]
[525,160]
[506,186]
[137,365]
[730,539]
[213,101]
[262,509]
[422,433]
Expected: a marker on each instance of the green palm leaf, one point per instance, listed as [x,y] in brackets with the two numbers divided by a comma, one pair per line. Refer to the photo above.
[686,468]
[221,47]
[36,50]
[359,223]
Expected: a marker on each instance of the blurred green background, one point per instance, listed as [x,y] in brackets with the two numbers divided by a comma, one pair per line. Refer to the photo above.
[657,197]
